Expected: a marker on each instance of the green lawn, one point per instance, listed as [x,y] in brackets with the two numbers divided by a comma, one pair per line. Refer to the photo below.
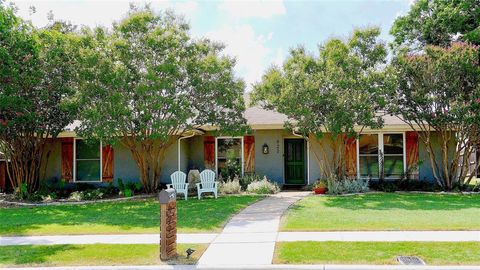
[206,215]
[433,253]
[96,254]
[384,211]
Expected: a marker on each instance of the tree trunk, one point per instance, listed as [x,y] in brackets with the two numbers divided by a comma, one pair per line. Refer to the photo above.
[25,157]
[149,156]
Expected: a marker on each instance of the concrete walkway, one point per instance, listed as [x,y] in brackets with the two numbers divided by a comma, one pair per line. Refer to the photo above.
[188,238]
[249,237]
[382,236]
[206,238]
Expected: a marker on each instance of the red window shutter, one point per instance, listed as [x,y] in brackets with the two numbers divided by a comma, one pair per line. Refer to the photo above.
[249,154]
[209,152]
[351,158]
[411,143]
[67,159]
[107,163]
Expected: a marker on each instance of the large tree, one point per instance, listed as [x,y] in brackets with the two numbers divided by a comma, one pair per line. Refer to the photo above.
[332,96]
[37,82]
[438,94]
[438,22]
[147,82]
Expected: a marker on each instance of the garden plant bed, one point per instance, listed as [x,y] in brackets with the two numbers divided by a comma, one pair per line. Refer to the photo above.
[10,201]
[95,254]
[433,253]
[384,211]
[131,216]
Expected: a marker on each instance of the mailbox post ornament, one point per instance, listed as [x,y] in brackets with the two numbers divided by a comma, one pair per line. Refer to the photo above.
[168,223]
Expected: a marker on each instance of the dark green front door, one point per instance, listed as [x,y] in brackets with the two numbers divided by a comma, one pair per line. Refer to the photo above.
[294,161]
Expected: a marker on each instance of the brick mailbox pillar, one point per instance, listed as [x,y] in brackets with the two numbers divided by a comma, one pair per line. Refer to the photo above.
[168,223]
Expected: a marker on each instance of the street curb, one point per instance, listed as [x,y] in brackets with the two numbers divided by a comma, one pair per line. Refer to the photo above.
[254,267]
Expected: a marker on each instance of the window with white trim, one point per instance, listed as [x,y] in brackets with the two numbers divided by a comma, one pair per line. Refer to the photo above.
[393,155]
[368,155]
[229,155]
[383,151]
[87,161]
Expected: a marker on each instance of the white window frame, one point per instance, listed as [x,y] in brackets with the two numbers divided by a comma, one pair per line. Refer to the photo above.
[381,151]
[75,163]
[216,151]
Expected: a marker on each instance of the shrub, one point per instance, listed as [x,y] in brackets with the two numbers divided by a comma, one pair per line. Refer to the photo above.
[321,183]
[230,186]
[347,186]
[49,197]
[75,196]
[110,190]
[263,187]
[128,189]
[21,192]
[404,185]
[127,192]
[247,179]
[94,194]
[86,195]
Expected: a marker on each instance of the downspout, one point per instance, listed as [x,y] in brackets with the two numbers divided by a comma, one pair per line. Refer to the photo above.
[308,155]
[179,148]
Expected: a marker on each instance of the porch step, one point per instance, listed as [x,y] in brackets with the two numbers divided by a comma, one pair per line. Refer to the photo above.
[293,187]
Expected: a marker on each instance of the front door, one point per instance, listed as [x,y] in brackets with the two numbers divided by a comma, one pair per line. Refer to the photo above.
[294,161]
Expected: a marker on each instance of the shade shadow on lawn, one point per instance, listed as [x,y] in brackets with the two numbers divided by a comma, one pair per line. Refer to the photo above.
[94,254]
[29,255]
[141,216]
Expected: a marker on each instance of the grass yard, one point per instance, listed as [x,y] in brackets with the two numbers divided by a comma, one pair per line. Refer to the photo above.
[142,216]
[384,211]
[97,254]
[433,253]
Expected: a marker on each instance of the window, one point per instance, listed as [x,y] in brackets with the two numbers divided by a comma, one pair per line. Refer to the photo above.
[371,147]
[478,161]
[229,153]
[393,155]
[87,161]
[368,156]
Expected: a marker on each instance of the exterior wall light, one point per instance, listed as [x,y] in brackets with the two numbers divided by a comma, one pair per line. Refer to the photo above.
[265,149]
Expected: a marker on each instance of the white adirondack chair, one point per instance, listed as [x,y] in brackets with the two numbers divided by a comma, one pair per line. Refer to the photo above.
[207,183]
[178,183]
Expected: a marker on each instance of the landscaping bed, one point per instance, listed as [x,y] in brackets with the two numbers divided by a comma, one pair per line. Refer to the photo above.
[132,216]
[433,253]
[94,254]
[384,211]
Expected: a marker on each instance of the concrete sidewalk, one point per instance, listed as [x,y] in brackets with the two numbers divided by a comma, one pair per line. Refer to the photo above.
[249,238]
[381,236]
[255,267]
[255,235]
[190,238]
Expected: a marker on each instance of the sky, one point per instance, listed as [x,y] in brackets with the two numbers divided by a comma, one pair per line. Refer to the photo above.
[258,33]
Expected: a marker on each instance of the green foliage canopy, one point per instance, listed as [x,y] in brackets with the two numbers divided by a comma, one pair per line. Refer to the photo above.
[336,92]
[37,85]
[438,22]
[148,81]
[439,91]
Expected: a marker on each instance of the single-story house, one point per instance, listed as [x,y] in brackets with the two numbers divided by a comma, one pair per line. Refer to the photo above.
[268,150]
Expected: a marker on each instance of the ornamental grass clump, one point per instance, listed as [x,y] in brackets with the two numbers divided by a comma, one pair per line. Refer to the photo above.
[347,186]
[230,186]
[263,186]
